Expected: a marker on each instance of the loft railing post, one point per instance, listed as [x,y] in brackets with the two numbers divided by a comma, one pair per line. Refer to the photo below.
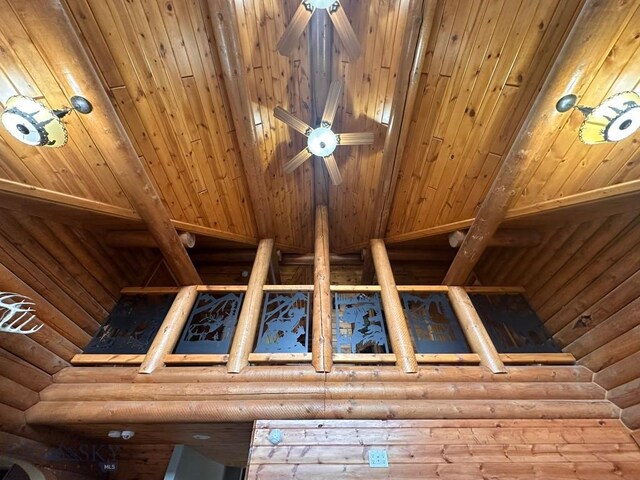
[245,335]
[321,345]
[167,337]
[474,330]
[393,311]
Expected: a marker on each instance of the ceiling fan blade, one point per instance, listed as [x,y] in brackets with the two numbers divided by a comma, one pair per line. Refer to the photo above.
[332,168]
[333,97]
[362,138]
[293,122]
[292,33]
[296,161]
[345,31]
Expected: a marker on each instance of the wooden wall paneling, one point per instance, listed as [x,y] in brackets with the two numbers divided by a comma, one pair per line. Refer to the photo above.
[42,234]
[65,335]
[617,324]
[620,372]
[572,261]
[34,352]
[625,395]
[24,373]
[631,416]
[36,249]
[613,351]
[447,449]
[618,271]
[16,395]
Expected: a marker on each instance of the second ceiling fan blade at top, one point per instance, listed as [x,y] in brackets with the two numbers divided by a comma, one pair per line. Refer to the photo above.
[296,26]
[345,31]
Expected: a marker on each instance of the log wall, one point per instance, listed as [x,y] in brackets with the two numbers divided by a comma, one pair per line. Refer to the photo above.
[74,280]
[449,449]
[584,281]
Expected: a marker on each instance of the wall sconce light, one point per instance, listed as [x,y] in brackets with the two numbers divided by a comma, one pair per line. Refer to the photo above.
[613,120]
[34,124]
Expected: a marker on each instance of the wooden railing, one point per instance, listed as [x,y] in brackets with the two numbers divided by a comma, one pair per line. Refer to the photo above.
[483,350]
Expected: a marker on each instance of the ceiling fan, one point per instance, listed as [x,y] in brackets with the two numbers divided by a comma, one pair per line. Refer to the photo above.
[302,16]
[322,141]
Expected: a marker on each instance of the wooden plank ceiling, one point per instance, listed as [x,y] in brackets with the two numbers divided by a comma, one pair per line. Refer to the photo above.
[158,59]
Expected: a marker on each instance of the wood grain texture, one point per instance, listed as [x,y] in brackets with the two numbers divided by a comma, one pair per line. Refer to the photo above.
[448,449]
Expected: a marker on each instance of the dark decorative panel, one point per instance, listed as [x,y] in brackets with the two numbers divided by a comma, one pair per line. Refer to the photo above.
[512,324]
[132,325]
[284,327]
[433,325]
[360,325]
[211,324]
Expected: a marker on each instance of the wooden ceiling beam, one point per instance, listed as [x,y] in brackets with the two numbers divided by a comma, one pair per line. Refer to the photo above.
[54,35]
[83,212]
[142,239]
[419,23]
[225,30]
[585,49]
[502,238]
[599,203]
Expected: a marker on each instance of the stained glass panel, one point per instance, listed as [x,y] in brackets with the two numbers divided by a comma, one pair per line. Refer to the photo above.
[360,325]
[284,327]
[211,324]
[132,325]
[512,324]
[433,325]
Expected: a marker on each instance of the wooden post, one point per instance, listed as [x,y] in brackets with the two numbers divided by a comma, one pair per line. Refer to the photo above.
[225,30]
[393,311]
[245,335]
[47,21]
[274,268]
[170,330]
[142,239]
[321,346]
[474,330]
[502,238]
[585,49]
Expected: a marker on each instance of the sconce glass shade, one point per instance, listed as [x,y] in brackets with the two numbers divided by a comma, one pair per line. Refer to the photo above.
[32,123]
[613,120]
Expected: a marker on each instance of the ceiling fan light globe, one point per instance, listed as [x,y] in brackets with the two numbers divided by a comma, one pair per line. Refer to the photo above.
[322,142]
[321,3]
